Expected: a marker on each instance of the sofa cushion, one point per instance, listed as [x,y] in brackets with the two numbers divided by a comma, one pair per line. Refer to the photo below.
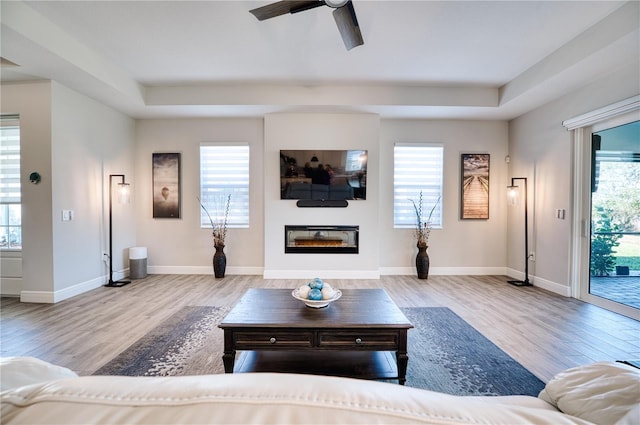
[631,418]
[16,372]
[298,190]
[340,192]
[319,192]
[260,398]
[602,392]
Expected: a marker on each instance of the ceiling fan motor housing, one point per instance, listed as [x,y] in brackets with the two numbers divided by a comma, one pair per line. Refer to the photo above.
[335,3]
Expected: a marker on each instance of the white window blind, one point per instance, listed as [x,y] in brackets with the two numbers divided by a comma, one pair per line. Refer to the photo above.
[224,171]
[417,167]
[9,159]
[10,198]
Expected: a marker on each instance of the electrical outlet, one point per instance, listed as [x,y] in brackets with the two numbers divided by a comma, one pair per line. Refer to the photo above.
[532,256]
[105,257]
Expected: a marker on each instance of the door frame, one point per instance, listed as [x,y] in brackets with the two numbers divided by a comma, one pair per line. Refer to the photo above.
[582,127]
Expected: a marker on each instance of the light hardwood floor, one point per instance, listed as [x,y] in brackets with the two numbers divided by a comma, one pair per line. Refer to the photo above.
[545,332]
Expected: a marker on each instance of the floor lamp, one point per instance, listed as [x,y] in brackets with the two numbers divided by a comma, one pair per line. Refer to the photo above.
[123,198]
[512,192]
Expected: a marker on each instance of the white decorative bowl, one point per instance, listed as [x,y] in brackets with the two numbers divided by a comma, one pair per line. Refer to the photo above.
[316,303]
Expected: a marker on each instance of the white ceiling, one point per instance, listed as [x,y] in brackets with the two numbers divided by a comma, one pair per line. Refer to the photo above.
[427,59]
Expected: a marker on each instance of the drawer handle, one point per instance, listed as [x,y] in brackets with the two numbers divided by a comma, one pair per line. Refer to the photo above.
[358,340]
[272,340]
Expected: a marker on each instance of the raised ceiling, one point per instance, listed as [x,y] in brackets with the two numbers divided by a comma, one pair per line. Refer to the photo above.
[421,59]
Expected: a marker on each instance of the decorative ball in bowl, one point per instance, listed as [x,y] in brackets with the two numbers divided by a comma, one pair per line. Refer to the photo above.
[316,293]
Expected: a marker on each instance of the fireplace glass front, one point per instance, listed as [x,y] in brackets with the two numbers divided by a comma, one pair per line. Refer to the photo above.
[321,239]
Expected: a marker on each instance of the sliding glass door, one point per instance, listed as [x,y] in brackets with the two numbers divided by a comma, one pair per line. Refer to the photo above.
[614,263]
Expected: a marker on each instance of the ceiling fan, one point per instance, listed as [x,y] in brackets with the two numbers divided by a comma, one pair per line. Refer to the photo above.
[344,15]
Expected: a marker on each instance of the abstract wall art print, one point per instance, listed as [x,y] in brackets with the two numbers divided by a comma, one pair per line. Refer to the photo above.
[166,185]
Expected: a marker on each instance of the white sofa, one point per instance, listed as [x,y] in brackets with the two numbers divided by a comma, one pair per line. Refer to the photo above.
[36,392]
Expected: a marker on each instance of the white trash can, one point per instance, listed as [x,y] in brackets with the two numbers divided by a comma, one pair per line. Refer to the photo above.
[137,262]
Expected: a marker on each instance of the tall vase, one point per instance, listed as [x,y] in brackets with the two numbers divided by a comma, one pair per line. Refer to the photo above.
[219,261]
[422,262]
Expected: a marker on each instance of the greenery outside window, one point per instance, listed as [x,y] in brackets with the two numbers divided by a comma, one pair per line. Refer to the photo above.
[615,199]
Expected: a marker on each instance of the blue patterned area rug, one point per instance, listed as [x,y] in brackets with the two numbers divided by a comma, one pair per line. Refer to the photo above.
[446,354]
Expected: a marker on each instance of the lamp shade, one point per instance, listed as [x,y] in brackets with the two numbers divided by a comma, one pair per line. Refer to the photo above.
[512,194]
[124,193]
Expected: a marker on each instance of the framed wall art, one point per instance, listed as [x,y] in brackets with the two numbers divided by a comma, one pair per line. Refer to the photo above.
[474,191]
[166,185]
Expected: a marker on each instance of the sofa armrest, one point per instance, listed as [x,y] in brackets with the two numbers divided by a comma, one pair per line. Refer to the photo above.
[602,392]
[17,372]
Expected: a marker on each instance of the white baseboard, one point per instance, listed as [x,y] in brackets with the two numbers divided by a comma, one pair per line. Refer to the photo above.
[259,271]
[10,286]
[40,297]
[203,270]
[51,297]
[554,287]
[325,274]
[444,271]
[549,285]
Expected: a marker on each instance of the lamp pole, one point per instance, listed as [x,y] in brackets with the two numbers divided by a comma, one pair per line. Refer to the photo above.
[122,184]
[524,282]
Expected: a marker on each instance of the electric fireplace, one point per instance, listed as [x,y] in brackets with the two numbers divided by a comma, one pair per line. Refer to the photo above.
[321,239]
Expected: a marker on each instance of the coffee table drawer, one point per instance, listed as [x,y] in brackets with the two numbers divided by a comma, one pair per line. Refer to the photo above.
[272,340]
[359,340]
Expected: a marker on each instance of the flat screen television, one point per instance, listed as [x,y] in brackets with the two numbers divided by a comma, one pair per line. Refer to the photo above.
[323,174]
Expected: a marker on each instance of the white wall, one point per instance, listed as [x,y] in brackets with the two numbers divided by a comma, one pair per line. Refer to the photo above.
[541,150]
[180,245]
[32,101]
[461,246]
[73,142]
[320,131]
[90,141]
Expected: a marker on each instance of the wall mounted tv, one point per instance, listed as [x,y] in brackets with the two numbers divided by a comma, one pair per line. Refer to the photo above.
[323,174]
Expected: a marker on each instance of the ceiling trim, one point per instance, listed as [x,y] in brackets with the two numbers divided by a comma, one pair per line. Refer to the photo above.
[320,95]
[586,50]
[627,105]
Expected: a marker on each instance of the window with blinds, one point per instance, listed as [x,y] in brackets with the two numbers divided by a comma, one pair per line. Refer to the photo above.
[10,197]
[224,172]
[417,167]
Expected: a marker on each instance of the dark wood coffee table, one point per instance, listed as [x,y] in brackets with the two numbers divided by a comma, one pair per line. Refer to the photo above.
[354,336]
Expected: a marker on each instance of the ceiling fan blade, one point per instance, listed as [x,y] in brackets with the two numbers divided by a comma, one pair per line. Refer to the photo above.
[283,7]
[347,22]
